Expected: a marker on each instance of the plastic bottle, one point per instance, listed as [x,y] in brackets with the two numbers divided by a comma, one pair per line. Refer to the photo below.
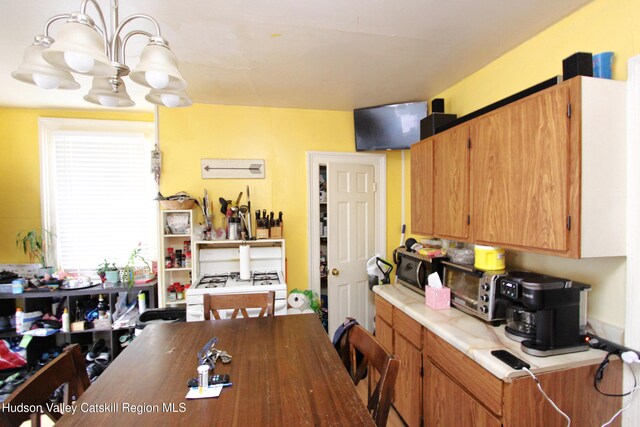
[19,320]
[65,321]
[142,303]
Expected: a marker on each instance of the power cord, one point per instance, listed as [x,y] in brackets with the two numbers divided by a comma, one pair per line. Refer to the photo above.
[566,417]
[628,357]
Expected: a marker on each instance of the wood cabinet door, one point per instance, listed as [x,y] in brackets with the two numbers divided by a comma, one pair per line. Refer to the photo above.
[447,404]
[520,172]
[408,388]
[451,184]
[422,187]
[384,334]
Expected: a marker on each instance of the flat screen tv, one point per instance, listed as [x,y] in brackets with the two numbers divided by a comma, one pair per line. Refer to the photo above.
[388,127]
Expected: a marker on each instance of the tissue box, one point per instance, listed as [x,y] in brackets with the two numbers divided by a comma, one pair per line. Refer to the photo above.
[437,299]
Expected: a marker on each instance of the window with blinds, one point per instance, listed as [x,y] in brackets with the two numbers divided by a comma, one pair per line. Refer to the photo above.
[99,191]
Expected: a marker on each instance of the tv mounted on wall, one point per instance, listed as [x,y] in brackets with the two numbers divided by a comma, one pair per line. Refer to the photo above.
[388,127]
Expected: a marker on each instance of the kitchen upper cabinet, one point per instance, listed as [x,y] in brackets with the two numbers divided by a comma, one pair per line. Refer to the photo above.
[451,183]
[422,187]
[548,172]
[521,170]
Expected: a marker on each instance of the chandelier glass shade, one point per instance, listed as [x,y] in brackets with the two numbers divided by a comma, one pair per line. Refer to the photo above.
[85,48]
[35,70]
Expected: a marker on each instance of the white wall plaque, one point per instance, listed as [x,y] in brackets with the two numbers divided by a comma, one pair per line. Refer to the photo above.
[232,168]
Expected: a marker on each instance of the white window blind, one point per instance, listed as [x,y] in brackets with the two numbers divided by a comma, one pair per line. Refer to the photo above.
[100,196]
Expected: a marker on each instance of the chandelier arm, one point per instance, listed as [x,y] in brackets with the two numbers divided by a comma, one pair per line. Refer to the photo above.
[54,19]
[126,38]
[125,21]
[104,31]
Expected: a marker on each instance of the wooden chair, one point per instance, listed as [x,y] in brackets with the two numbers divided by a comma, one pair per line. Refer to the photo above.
[372,356]
[68,368]
[239,303]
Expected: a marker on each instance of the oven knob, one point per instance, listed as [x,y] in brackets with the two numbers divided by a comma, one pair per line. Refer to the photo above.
[484,298]
[483,309]
[485,287]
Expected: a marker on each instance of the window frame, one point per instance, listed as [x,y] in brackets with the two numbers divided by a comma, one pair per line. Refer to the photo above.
[47,127]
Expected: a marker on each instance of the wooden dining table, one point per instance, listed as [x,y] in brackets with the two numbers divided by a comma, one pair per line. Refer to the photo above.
[284,372]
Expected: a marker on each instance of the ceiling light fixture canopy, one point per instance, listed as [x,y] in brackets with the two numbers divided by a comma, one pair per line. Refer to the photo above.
[86,48]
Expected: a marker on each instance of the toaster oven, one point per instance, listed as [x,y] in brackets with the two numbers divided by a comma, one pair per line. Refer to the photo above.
[474,291]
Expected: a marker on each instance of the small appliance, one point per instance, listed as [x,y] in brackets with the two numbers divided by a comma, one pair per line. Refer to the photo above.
[474,291]
[413,269]
[546,314]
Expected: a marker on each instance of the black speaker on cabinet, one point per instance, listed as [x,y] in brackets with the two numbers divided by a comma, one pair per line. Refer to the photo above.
[578,64]
[430,124]
[437,105]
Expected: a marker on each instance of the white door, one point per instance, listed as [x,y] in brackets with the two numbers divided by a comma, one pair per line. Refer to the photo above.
[351,240]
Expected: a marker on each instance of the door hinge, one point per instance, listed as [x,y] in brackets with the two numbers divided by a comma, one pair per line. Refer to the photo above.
[469,143]
[468,219]
[568,222]
[569,110]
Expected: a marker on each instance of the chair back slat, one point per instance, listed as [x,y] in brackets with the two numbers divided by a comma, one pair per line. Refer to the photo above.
[374,357]
[68,368]
[239,303]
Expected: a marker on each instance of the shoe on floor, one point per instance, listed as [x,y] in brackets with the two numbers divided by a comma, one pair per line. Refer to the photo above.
[97,348]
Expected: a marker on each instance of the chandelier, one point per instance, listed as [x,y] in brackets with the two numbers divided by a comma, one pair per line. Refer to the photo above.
[85,48]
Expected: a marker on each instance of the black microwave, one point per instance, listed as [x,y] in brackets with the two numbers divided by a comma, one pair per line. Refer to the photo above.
[413,269]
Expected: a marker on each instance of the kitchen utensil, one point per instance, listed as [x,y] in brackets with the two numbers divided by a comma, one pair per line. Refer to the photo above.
[249,214]
[223,206]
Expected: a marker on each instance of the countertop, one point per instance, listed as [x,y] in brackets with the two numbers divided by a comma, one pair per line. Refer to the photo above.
[476,338]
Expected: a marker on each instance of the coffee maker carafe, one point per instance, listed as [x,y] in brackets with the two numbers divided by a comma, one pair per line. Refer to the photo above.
[547,314]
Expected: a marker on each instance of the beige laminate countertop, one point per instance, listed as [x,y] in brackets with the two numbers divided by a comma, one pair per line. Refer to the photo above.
[476,338]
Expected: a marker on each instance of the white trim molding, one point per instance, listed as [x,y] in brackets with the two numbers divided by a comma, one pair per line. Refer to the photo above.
[314,160]
[631,417]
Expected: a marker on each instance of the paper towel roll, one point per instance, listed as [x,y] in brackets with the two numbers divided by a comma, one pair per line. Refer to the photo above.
[245,263]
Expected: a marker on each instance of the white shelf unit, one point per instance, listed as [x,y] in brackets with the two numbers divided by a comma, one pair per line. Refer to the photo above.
[167,276]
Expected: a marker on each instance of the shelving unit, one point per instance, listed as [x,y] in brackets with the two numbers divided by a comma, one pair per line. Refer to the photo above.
[324,270]
[43,301]
[176,232]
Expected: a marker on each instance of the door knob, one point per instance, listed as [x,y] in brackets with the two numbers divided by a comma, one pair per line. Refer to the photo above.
[335,272]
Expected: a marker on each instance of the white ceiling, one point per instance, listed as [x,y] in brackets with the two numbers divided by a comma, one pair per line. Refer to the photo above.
[322,54]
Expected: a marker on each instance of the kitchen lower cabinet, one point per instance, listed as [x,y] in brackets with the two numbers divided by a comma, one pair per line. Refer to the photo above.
[447,404]
[422,187]
[403,337]
[407,346]
[438,385]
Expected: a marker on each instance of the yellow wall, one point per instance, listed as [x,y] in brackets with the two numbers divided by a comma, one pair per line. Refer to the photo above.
[279,136]
[604,25]
[282,136]
[20,171]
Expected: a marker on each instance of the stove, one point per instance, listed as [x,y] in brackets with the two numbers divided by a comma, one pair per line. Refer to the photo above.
[232,279]
[218,269]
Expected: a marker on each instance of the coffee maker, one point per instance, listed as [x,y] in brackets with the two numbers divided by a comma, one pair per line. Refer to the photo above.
[546,314]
